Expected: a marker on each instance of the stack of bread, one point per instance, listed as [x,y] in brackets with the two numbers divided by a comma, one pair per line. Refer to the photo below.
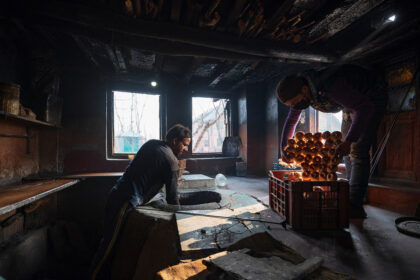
[316,154]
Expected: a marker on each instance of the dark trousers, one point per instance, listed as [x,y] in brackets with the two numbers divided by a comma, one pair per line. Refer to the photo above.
[116,210]
[358,163]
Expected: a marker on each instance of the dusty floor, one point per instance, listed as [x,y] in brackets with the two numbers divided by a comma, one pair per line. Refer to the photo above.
[368,249]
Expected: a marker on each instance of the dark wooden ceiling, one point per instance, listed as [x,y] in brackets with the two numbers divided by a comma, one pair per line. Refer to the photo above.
[218,44]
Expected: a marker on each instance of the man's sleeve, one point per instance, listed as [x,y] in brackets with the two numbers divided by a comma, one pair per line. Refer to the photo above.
[171,177]
[171,184]
[289,126]
[344,94]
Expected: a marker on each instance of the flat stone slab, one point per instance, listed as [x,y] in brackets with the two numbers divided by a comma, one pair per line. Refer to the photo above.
[196,182]
[243,266]
[199,233]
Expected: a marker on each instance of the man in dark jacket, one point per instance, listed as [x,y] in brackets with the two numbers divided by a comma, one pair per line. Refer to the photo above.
[361,96]
[154,165]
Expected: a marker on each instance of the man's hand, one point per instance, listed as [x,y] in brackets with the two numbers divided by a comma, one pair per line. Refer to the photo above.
[343,149]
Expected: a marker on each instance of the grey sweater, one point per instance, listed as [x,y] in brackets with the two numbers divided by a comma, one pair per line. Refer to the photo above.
[153,166]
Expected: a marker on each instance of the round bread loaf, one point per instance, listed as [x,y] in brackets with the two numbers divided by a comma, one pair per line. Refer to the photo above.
[299,135]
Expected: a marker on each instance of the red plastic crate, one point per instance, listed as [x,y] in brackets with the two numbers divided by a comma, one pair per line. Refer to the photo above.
[310,204]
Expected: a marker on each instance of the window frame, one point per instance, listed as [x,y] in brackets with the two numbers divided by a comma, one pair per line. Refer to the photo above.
[228,127]
[110,155]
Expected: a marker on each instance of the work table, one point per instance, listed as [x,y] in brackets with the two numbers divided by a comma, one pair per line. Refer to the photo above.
[15,196]
[18,195]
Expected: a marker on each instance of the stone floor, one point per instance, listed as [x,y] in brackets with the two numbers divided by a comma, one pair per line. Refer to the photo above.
[368,249]
[256,187]
[201,231]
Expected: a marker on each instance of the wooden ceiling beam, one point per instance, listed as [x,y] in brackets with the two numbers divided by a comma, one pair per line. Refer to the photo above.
[120,59]
[220,72]
[399,33]
[125,26]
[341,18]
[112,57]
[161,47]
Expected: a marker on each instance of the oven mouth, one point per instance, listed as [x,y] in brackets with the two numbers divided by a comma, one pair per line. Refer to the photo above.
[200,197]
[197,200]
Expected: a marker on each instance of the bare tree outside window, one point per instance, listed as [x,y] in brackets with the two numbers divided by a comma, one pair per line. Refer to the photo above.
[136,120]
[208,126]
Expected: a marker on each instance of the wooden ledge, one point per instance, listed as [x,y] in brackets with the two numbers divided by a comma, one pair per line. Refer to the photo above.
[13,197]
[93,175]
[25,120]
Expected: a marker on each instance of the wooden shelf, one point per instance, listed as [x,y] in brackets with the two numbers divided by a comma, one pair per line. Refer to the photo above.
[28,121]
[13,197]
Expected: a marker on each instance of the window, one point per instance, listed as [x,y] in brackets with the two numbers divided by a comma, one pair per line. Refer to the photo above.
[210,124]
[329,121]
[136,119]
[314,121]
[325,121]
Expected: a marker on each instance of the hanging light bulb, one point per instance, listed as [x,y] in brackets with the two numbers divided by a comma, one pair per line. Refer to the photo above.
[391,18]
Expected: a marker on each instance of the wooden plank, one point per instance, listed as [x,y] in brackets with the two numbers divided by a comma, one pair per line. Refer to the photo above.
[13,197]
[399,156]
[384,40]
[120,59]
[342,17]
[8,116]
[93,175]
[220,71]
[112,57]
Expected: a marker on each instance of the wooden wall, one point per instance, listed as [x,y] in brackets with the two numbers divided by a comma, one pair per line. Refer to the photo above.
[252,128]
[401,158]
[15,161]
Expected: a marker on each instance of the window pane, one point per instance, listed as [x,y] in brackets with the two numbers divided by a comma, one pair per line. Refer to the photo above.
[208,128]
[136,120]
[329,121]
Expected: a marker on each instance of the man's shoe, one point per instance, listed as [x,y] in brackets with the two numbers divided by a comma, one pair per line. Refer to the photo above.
[357,212]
